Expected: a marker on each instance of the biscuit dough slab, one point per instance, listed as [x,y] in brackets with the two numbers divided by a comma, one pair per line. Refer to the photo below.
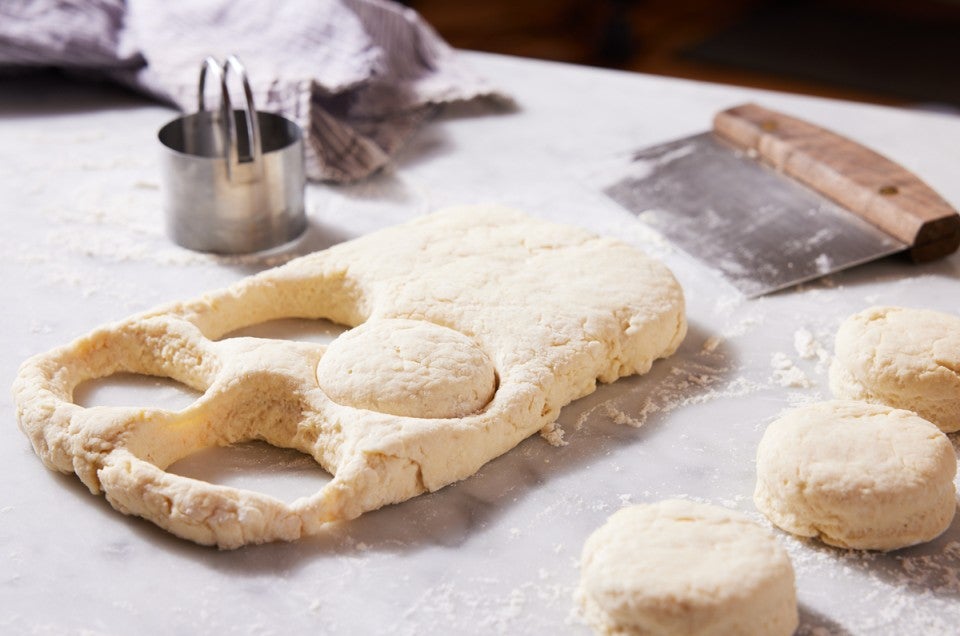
[857,475]
[548,310]
[901,357]
[679,568]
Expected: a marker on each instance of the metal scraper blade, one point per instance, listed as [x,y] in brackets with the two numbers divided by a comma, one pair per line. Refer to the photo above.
[760,229]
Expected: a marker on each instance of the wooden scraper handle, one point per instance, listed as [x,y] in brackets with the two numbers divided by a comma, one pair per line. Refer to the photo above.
[866,183]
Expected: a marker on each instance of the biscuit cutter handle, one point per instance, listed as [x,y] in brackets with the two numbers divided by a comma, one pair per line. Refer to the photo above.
[866,183]
[231,143]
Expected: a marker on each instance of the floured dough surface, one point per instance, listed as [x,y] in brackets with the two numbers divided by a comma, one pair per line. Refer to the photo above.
[472,328]
[906,358]
[682,568]
[856,475]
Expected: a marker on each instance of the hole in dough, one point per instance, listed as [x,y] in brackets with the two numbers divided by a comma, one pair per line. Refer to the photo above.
[319,331]
[135,390]
[283,473]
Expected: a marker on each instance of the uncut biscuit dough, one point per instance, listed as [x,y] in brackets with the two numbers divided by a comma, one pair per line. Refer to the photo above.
[498,318]
[856,475]
[901,357]
[682,568]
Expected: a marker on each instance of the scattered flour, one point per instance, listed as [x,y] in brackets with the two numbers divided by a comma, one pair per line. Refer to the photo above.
[553,433]
[691,382]
[824,263]
[809,347]
[111,246]
[710,344]
[620,417]
[917,588]
[742,327]
[124,227]
[40,328]
[725,305]
[708,376]
[805,344]
[641,234]
[916,593]
[788,374]
[482,606]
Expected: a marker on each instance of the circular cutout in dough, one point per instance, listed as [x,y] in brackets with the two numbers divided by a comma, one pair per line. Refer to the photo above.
[906,358]
[679,567]
[856,475]
[409,368]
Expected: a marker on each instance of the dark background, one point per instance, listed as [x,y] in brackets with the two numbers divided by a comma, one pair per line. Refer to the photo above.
[897,52]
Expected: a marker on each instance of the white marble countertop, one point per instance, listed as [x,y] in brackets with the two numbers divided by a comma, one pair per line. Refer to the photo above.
[82,244]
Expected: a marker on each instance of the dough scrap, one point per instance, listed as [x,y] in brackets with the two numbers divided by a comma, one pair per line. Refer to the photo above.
[856,475]
[901,357]
[550,310]
[682,568]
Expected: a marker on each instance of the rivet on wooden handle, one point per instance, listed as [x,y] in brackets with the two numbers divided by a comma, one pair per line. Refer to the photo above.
[866,183]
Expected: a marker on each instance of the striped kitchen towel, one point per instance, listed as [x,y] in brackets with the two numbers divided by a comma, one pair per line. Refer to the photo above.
[359,76]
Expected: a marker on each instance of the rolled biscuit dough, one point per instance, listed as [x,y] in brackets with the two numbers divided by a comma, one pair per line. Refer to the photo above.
[905,358]
[474,326]
[679,568]
[856,475]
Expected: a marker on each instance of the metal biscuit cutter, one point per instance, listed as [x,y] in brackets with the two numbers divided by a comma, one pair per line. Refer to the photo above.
[233,180]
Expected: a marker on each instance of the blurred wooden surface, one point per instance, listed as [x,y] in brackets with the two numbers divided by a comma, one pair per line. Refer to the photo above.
[657,36]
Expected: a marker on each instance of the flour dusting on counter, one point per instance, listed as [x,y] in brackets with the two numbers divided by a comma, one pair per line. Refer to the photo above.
[489,608]
[691,382]
[919,588]
[919,585]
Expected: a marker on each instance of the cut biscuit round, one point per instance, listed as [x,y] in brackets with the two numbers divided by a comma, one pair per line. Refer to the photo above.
[679,567]
[901,357]
[856,475]
[407,367]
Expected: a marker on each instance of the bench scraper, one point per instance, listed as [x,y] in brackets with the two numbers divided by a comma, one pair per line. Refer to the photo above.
[771,201]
